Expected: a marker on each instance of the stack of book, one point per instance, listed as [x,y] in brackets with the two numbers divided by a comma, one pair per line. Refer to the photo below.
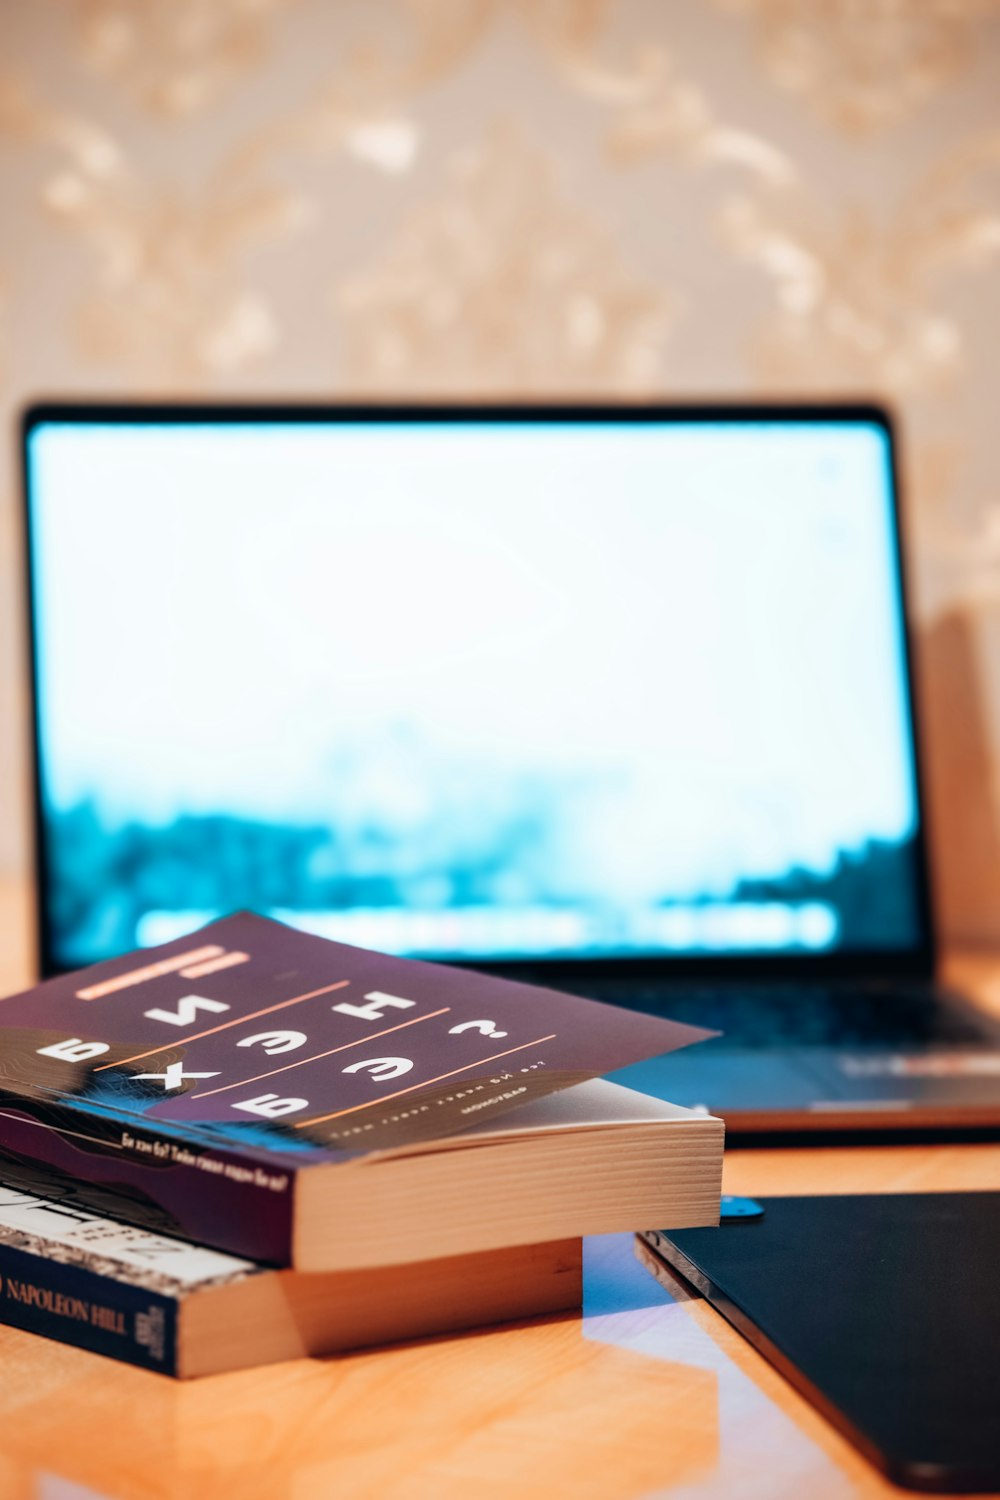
[255,1144]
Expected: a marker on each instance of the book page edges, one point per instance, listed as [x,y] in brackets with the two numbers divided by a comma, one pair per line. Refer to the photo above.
[513,1190]
[291,1315]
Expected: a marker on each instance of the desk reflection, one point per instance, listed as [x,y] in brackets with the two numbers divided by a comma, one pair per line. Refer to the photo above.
[550,1407]
[769,1442]
[649,1395]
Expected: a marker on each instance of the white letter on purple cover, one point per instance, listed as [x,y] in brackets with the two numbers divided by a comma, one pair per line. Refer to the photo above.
[373,1011]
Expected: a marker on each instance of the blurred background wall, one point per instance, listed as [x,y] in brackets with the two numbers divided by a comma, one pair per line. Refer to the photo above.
[649,198]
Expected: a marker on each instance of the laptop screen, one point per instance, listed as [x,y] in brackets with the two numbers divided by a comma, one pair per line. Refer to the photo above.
[473,686]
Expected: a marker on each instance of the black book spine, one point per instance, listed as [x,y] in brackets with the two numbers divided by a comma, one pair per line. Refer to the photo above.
[155,1179]
[83,1307]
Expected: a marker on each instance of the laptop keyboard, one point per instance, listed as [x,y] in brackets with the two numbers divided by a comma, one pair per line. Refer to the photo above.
[805,1014]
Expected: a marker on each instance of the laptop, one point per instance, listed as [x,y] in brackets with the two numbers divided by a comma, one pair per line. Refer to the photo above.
[617,698]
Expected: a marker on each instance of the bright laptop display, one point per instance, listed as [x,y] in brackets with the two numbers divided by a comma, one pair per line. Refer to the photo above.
[484,686]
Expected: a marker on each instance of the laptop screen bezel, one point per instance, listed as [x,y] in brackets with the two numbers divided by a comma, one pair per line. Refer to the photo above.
[916,961]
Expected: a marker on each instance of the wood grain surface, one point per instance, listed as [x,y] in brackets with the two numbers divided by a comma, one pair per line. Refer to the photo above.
[641,1397]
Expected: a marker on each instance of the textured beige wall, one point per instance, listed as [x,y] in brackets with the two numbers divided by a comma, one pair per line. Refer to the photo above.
[655,197]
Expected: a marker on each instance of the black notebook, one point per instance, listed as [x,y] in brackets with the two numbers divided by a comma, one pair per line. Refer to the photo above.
[884,1311]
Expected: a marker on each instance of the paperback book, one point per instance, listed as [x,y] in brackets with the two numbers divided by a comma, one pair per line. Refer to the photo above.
[182,1310]
[289,1099]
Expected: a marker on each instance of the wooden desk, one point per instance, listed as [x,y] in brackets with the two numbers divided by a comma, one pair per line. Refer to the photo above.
[643,1397]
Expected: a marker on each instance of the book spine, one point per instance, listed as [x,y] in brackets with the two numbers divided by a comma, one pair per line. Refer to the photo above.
[156,1180]
[82,1307]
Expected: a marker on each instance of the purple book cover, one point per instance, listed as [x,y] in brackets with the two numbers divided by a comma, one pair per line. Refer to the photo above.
[187,1084]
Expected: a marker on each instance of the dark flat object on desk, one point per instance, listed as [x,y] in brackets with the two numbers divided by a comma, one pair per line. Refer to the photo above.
[884,1311]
